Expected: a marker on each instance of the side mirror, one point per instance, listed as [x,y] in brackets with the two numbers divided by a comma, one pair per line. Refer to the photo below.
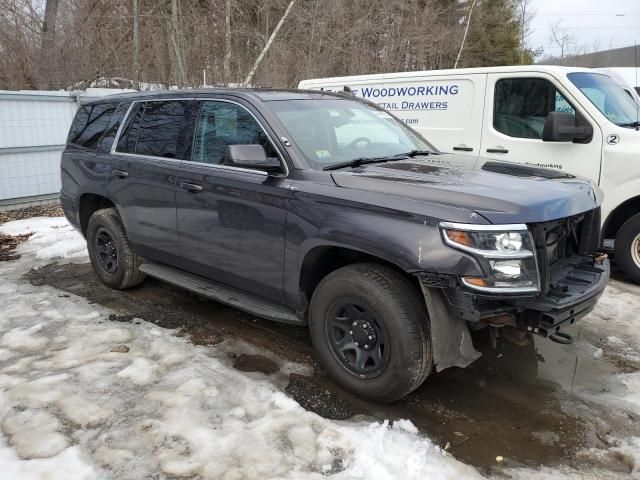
[253,157]
[561,127]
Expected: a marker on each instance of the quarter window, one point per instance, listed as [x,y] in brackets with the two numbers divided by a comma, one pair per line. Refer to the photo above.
[521,106]
[221,124]
[89,125]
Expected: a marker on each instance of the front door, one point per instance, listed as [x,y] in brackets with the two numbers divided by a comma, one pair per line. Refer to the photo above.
[143,175]
[231,220]
[516,108]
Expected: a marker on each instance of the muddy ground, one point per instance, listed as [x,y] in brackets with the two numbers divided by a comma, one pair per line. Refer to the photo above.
[515,402]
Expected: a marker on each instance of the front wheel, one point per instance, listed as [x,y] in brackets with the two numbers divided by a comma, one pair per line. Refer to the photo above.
[369,327]
[627,248]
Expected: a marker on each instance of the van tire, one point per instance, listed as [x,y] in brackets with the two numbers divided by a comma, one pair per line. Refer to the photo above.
[105,230]
[627,248]
[399,317]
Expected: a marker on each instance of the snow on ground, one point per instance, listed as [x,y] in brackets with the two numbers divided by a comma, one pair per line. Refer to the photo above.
[72,406]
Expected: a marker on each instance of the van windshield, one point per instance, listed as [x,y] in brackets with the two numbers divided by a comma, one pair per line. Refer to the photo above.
[333,131]
[608,97]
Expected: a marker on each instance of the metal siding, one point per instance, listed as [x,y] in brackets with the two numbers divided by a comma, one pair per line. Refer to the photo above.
[33,130]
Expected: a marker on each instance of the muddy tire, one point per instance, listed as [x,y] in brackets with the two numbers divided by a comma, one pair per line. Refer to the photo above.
[369,327]
[627,248]
[113,260]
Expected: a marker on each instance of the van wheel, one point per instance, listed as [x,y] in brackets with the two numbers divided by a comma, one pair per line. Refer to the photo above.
[369,327]
[111,255]
[627,248]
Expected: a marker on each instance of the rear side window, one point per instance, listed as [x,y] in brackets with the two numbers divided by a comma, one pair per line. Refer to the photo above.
[155,130]
[523,104]
[112,128]
[89,125]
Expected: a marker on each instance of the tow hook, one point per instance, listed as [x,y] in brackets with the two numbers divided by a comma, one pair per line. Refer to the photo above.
[600,259]
[561,337]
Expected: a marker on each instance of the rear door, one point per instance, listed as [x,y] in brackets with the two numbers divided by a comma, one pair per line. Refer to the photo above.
[143,174]
[516,109]
[232,220]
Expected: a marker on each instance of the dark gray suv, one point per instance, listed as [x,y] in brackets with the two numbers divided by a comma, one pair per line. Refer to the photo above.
[323,210]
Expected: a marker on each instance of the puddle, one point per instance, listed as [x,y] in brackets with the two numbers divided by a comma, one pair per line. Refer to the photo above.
[522,403]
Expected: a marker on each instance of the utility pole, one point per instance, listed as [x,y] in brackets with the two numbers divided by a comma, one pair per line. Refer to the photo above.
[268,44]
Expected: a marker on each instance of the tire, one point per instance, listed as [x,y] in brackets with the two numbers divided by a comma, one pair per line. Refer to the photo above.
[113,260]
[627,248]
[381,300]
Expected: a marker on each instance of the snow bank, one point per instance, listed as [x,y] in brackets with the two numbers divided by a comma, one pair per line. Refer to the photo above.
[74,406]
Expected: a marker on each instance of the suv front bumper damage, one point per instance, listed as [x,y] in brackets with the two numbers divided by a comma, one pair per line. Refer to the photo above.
[573,292]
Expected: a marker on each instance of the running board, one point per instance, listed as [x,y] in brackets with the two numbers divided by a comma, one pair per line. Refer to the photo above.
[220,293]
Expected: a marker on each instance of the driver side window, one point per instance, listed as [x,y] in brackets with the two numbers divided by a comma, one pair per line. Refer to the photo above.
[521,106]
[221,124]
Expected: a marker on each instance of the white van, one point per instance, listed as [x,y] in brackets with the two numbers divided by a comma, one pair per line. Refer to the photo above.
[572,119]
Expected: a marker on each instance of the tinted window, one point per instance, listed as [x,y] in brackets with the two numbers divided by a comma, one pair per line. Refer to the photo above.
[89,124]
[221,124]
[112,128]
[521,106]
[159,131]
[155,130]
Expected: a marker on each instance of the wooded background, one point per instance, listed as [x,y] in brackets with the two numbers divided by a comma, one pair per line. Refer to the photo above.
[53,44]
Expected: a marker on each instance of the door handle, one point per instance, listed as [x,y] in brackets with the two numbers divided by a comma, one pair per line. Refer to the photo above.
[120,173]
[191,187]
[463,148]
[497,150]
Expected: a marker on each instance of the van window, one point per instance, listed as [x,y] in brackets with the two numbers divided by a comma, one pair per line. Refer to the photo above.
[521,106]
[155,130]
[89,125]
[221,124]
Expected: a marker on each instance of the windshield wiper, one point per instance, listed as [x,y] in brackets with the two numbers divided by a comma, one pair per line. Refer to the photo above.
[630,124]
[356,162]
[418,153]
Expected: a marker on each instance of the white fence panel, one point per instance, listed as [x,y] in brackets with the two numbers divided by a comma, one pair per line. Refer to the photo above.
[33,130]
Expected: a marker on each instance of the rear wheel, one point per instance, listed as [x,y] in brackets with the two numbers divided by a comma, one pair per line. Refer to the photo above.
[627,248]
[113,260]
[369,328]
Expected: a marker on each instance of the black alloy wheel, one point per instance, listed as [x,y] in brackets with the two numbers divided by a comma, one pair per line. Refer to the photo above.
[358,339]
[107,252]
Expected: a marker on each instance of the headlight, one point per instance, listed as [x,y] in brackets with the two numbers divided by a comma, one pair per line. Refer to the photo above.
[505,252]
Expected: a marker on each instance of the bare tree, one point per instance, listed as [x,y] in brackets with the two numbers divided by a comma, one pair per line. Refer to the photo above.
[561,38]
[466,31]
[47,43]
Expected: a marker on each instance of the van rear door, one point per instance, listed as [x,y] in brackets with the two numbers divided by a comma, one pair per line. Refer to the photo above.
[516,109]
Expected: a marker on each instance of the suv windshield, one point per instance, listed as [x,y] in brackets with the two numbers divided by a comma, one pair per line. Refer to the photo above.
[607,96]
[329,132]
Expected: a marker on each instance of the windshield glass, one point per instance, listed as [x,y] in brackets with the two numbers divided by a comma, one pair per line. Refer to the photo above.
[607,96]
[333,131]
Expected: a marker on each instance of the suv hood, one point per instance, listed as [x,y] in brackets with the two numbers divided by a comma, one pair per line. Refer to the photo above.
[499,191]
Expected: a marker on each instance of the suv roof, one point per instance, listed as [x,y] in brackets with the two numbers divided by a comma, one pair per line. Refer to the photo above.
[262,94]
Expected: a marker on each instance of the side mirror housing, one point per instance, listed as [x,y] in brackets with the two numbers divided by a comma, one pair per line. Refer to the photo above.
[561,127]
[253,157]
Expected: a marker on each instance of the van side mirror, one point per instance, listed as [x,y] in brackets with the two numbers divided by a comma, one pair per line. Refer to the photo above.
[561,127]
[253,157]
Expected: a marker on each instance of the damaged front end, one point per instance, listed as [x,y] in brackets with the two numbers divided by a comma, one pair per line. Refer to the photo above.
[550,275]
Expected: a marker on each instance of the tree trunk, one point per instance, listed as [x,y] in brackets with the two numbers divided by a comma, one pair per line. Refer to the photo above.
[464,37]
[269,42]
[136,45]
[48,38]
[226,64]
[182,77]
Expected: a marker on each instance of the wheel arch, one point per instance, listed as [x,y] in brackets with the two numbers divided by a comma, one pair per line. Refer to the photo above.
[619,216]
[321,260]
[89,203]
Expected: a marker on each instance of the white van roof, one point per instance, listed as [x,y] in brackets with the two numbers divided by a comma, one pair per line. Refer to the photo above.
[551,69]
